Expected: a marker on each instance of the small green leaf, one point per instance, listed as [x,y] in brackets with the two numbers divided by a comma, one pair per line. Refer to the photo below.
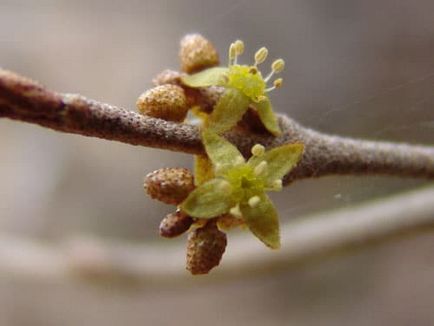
[228,110]
[211,199]
[263,221]
[267,116]
[203,169]
[280,161]
[222,153]
[208,77]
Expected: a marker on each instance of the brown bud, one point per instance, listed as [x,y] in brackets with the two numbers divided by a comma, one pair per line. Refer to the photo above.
[175,224]
[205,248]
[166,102]
[169,185]
[197,53]
[167,77]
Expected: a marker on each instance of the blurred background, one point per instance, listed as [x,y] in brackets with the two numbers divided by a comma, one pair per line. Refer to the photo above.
[355,68]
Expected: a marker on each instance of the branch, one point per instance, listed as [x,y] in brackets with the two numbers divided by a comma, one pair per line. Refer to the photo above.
[25,100]
[303,241]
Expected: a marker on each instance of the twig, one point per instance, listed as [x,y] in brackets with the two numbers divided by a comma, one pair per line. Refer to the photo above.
[25,100]
[303,241]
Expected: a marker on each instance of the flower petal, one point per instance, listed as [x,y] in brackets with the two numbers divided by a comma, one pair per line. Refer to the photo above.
[280,161]
[208,77]
[228,110]
[211,199]
[267,116]
[263,221]
[222,153]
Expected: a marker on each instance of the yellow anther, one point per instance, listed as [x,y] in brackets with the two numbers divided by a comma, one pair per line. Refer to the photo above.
[239,47]
[261,55]
[260,168]
[258,150]
[235,211]
[278,82]
[278,65]
[254,201]
[277,185]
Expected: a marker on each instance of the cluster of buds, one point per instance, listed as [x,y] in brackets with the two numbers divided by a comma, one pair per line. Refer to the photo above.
[206,242]
[170,99]
[222,98]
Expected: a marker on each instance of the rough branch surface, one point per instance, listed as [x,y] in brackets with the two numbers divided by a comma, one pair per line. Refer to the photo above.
[26,100]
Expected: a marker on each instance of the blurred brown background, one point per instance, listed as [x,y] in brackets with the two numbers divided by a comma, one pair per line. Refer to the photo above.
[356,68]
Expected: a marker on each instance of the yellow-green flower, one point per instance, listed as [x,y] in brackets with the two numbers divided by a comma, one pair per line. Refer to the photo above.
[238,187]
[244,86]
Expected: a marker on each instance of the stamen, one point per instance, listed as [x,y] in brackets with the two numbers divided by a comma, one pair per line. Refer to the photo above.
[276,67]
[277,185]
[235,211]
[253,70]
[260,168]
[254,201]
[258,150]
[239,47]
[261,55]
[276,84]
[232,54]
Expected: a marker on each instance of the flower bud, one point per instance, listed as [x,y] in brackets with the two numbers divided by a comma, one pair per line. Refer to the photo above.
[197,53]
[169,185]
[205,248]
[166,102]
[175,224]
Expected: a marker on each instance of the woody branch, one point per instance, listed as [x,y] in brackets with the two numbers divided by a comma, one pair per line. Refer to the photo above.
[26,100]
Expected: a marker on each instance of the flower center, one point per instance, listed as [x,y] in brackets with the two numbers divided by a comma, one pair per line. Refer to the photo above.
[247,80]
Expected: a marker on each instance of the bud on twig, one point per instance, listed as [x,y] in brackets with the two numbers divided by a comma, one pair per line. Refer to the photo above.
[205,248]
[197,53]
[166,102]
[175,224]
[169,185]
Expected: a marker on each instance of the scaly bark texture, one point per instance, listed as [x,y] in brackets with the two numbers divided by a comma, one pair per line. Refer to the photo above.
[26,100]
